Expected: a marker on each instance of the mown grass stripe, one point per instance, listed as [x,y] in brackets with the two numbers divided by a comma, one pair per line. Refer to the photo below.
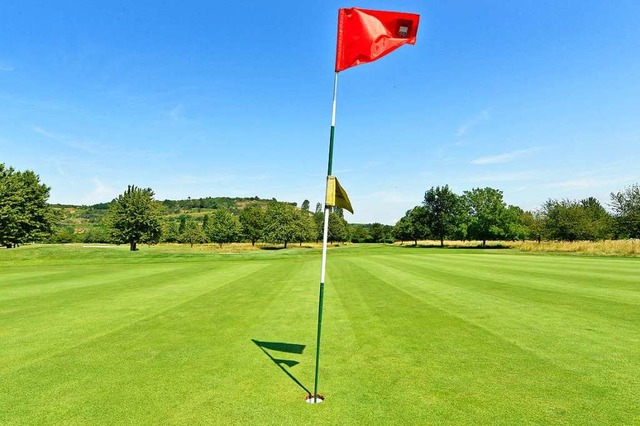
[549,333]
[64,319]
[603,272]
[544,279]
[481,291]
[424,345]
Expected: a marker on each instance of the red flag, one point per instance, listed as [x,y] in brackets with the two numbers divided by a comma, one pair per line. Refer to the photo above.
[366,35]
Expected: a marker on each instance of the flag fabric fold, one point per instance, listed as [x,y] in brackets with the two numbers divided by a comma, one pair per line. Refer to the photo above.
[366,35]
[336,195]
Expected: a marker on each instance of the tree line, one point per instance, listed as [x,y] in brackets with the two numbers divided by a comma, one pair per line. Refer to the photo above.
[481,214]
[135,217]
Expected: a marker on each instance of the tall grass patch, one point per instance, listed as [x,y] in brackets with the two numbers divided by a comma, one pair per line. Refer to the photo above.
[606,247]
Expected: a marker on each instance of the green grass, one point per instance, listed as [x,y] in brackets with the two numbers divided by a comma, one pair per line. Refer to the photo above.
[411,336]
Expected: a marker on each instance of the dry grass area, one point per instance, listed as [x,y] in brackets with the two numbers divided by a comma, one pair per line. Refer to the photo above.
[608,247]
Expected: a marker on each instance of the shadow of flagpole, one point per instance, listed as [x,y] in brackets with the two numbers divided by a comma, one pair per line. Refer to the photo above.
[283,347]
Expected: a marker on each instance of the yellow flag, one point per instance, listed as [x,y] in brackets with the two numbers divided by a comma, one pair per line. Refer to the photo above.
[336,195]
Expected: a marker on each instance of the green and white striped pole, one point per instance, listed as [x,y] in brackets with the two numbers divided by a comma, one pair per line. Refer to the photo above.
[325,238]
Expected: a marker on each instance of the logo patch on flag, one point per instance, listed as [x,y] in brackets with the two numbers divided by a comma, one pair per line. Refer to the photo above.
[404,28]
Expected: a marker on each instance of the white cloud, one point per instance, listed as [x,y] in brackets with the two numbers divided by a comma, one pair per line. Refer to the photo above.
[605,176]
[177,113]
[83,145]
[465,127]
[101,193]
[59,168]
[503,158]
[574,183]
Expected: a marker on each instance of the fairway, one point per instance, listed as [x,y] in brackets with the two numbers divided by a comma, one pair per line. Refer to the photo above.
[410,336]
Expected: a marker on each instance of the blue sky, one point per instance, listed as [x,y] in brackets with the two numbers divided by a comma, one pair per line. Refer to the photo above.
[540,99]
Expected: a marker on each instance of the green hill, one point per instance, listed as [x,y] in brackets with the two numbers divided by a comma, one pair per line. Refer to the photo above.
[80,222]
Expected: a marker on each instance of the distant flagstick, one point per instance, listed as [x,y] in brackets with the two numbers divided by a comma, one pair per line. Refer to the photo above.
[325,236]
[363,36]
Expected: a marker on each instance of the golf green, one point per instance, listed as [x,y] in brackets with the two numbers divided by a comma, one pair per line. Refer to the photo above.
[410,336]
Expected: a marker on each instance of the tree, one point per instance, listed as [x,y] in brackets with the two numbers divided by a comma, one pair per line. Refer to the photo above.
[193,233]
[401,230]
[441,208]
[412,226]
[62,235]
[487,214]
[597,222]
[135,217]
[359,234]
[224,227]
[25,215]
[337,228]
[96,234]
[380,233]
[183,224]
[577,220]
[305,206]
[318,219]
[533,221]
[515,227]
[626,206]
[205,221]
[318,207]
[279,224]
[252,220]
[305,227]
[170,232]
[562,220]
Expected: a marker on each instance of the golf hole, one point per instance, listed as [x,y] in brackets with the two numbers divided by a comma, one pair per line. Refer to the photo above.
[311,400]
